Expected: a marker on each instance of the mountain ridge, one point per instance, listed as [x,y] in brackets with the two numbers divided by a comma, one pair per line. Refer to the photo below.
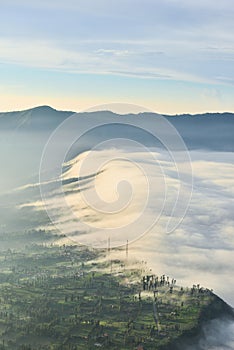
[24,135]
[47,119]
[44,108]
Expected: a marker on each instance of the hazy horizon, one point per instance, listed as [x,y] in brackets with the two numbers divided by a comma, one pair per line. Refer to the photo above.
[127,109]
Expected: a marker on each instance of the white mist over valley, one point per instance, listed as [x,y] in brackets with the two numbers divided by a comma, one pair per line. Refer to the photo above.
[136,185]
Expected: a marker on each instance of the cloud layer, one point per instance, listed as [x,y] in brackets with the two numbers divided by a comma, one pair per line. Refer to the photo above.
[178,40]
[200,250]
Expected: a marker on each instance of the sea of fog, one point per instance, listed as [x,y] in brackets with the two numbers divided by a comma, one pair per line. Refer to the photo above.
[118,189]
[128,188]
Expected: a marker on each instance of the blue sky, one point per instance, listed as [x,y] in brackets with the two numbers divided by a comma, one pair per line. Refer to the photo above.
[171,56]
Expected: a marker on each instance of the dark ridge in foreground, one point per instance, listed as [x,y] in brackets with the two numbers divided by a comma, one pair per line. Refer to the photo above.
[216,310]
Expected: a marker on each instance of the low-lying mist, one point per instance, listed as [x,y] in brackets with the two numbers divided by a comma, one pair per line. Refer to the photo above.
[200,250]
[217,335]
[126,188]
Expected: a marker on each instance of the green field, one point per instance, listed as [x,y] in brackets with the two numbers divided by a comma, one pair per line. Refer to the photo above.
[70,297]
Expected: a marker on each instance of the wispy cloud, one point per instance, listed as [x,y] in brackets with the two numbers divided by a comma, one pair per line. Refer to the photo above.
[172,40]
[139,61]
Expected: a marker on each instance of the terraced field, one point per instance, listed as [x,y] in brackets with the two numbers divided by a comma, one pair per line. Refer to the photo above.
[69,297]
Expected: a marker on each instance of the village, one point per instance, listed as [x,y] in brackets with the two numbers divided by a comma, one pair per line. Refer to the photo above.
[72,297]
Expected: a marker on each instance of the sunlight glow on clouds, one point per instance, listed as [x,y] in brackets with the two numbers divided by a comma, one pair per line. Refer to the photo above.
[200,250]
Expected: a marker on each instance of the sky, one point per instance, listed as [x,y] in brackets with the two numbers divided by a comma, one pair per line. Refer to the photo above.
[170,56]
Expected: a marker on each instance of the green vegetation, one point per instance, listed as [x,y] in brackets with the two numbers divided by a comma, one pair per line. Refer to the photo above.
[70,297]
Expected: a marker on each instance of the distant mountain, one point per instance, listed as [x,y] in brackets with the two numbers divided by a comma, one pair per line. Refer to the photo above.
[212,131]
[24,134]
[39,118]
